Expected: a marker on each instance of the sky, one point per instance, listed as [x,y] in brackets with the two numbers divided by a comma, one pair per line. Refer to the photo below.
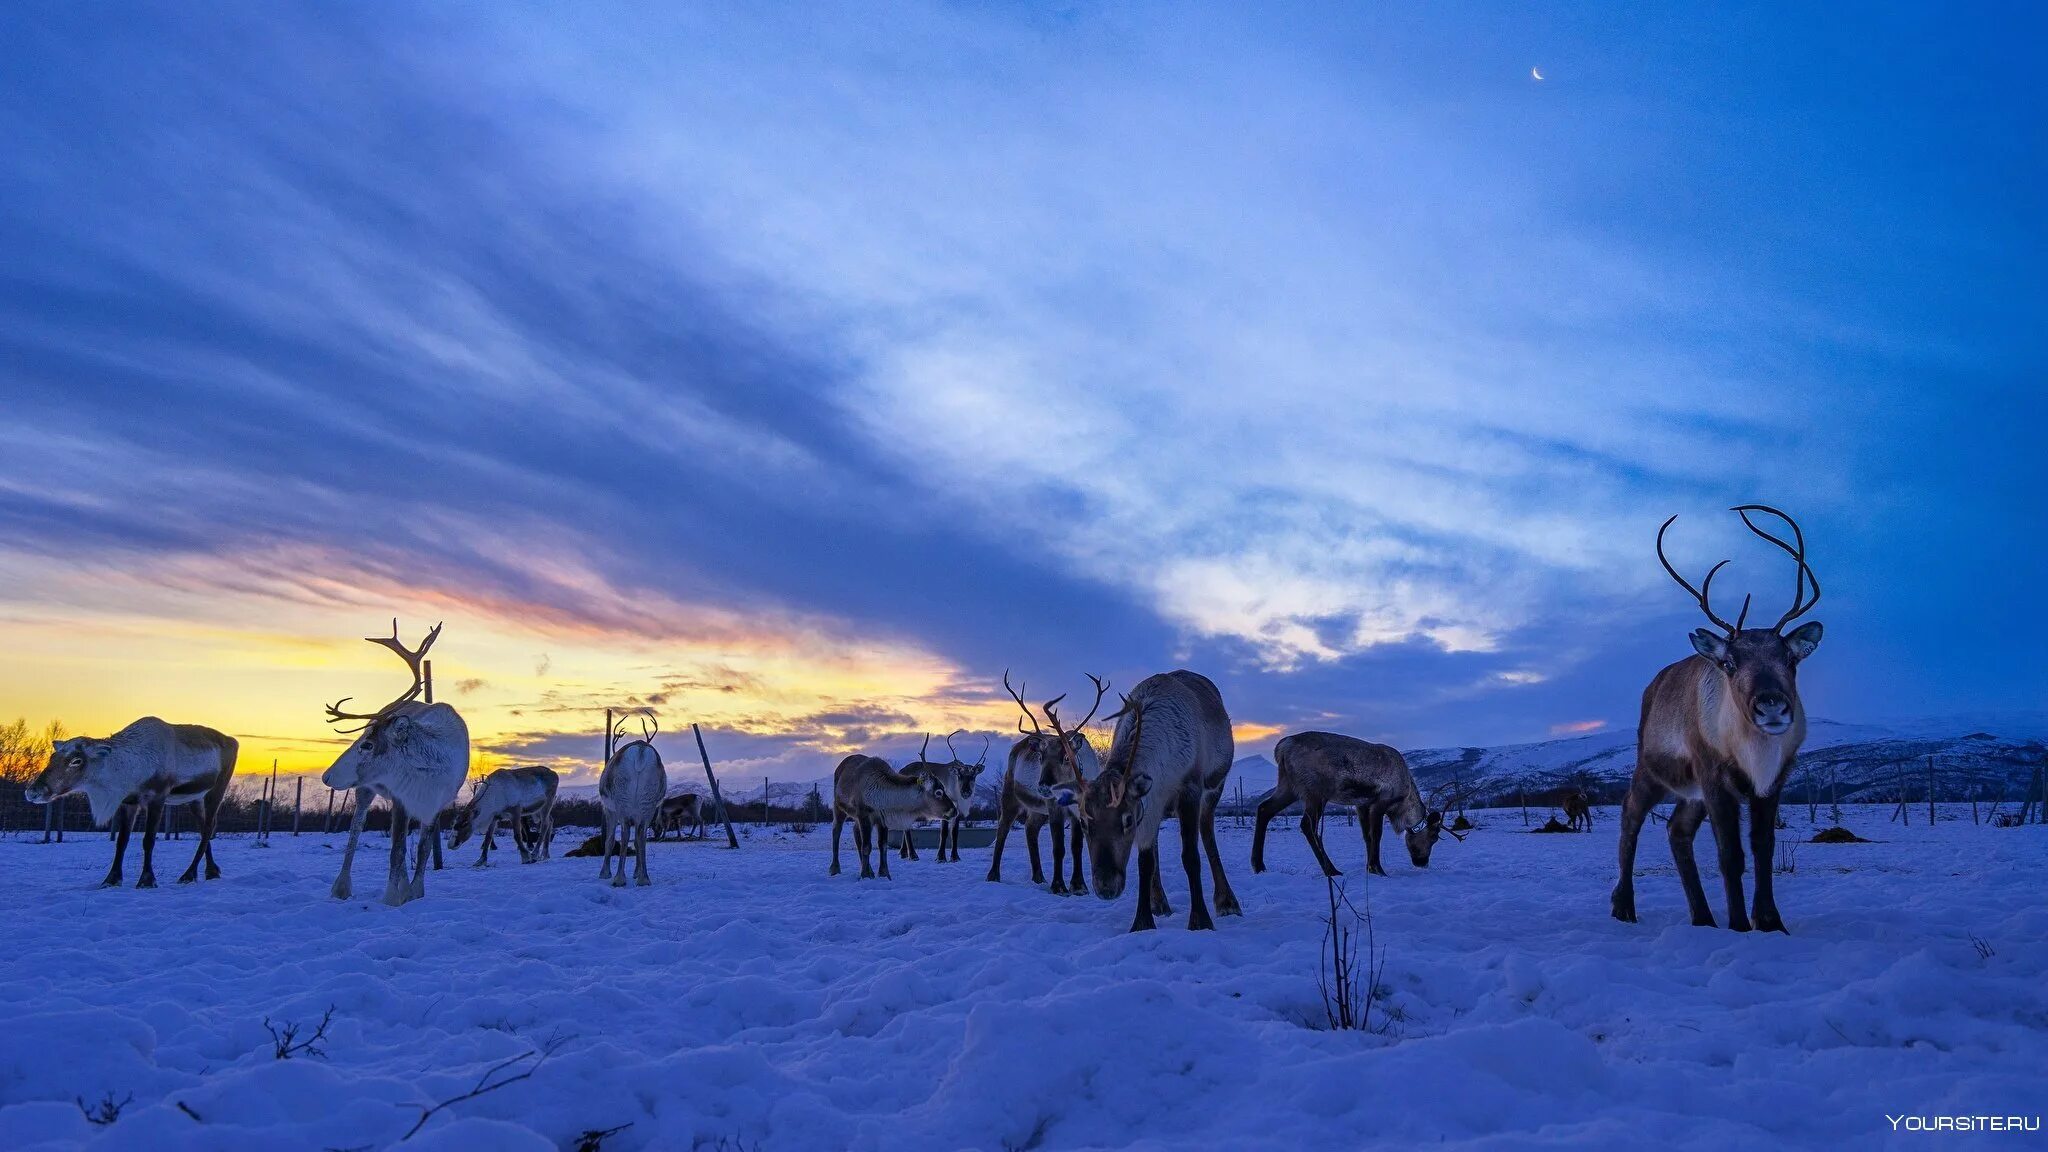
[797,370]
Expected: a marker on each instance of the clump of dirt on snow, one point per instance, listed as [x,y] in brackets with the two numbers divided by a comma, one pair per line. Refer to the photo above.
[1837,835]
[1553,826]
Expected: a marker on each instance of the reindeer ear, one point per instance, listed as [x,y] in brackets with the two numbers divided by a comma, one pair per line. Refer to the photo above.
[1140,784]
[1804,639]
[1065,797]
[1713,647]
[1436,819]
[99,749]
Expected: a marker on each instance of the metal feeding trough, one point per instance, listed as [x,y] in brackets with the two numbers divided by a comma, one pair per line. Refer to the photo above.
[929,838]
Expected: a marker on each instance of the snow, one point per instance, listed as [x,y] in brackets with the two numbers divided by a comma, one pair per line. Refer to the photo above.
[749,1001]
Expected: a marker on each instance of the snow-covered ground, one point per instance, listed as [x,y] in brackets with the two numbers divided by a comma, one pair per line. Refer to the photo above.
[749,1001]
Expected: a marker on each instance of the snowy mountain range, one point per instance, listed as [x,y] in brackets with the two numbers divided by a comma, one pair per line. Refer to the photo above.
[1983,755]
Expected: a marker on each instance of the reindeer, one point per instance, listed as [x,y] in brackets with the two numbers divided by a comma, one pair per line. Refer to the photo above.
[1319,767]
[631,791]
[1720,727]
[685,809]
[412,753]
[1040,763]
[516,795]
[1578,809]
[958,777]
[876,797]
[1173,747]
[139,770]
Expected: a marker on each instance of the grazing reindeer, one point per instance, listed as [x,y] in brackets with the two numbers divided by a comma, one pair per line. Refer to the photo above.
[415,755]
[631,791]
[141,768]
[1578,809]
[1319,767]
[1720,727]
[515,795]
[685,809]
[1041,763]
[1173,747]
[958,777]
[876,798]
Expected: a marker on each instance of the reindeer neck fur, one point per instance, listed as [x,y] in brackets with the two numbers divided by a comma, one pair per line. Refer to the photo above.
[1726,735]
[1184,736]
[896,796]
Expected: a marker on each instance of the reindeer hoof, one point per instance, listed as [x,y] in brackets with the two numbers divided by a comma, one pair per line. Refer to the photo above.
[1059,889]
[1228,907]
[188,878]
[1704,920]
[619,881]
[111,882]
[212,873]
[832,871]
[641,881]
[994,878]
[146,881]
[341,890]
[1258,866]
[396,897]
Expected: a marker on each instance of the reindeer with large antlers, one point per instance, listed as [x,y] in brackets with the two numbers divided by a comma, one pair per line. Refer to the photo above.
[1173,748]
[1721,727]
[1043,765]
[412,753]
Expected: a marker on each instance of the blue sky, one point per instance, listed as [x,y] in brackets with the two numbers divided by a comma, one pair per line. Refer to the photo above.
[804,367]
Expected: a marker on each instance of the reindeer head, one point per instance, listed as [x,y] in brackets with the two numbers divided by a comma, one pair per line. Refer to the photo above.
[69,762]
[1422,836]
[1063,755]
[400,727]
[1759,666]
[1113,807]
[966,774]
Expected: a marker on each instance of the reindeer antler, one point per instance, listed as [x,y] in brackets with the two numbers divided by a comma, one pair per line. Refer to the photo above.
[414,659]
[1800,579]
[1028,714]
[1706,587]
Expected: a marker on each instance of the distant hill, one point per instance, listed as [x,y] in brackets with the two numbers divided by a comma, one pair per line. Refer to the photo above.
[1974,755]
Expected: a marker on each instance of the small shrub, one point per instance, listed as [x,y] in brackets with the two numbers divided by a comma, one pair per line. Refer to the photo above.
[106,1111]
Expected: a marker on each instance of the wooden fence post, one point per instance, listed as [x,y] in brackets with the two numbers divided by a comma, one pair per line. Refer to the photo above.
[1930,791]
[732,839]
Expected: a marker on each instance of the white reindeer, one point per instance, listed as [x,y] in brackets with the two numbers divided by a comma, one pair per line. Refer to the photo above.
[143,767]
[415,755]
[514,795]
[631,790]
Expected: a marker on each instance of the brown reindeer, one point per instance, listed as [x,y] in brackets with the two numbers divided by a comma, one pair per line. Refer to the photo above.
[1721,727]
[1578,809]
[1319,767]
[1041,763]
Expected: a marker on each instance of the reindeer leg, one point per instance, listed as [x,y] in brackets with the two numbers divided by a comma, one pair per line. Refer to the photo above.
[838,823]
[1643,795]
[1006,815]
[1312,831]
[1274,804]
[1372,825]
[1079,884]
[1763,845]
[1159,905]
[430,832]
[1191,863]
[483,858]
[625,848]
[396,890]
[882,857]
[192,869]
[1724,808]
[1059,851]
[1685,824]
[864,838]
[1226,900]
[124,822]
[154,813]
[1031,826]
[342,889]
[1148,876]
[640,876]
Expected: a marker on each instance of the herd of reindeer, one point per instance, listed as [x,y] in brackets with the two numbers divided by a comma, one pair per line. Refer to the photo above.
[1719,729]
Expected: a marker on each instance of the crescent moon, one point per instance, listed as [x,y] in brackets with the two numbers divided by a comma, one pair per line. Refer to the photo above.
[1536,72]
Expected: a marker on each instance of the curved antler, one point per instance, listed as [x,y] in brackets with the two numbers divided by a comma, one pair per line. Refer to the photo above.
[986,741]
[414,659]
[1800,579]
[1028,715]
[1700,593]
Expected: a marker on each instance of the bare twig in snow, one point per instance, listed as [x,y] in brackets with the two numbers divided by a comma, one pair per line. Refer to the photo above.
[285,1042]
[593,1139]
[106,1111]
[487,1084]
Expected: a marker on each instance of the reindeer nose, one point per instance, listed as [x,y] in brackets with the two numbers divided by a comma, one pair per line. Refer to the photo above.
[1772,711]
